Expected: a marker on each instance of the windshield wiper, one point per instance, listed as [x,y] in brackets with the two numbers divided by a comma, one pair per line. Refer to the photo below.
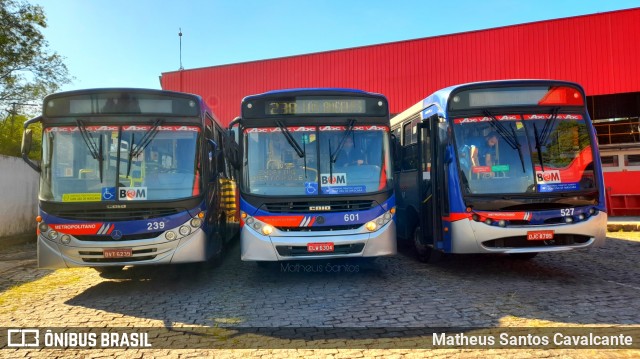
[333,157]
[144,142]
[538,146]
[292,141]
[543,136]
[95,151]
[510,138]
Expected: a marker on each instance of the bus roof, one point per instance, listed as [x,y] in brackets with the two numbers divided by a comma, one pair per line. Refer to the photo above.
[313,91]
[121,89]
[440,97]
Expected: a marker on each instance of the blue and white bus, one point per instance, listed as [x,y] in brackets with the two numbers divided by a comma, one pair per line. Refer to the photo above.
[499,167]
[316,175]
[131,177]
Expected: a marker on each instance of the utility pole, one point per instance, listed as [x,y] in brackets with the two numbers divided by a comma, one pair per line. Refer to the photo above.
[180,36]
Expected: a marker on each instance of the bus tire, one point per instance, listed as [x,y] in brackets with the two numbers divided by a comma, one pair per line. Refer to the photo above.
[424,253]
[523,256]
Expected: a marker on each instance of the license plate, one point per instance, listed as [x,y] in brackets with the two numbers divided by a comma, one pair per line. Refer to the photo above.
[539,235]
[320,247]
[118,253]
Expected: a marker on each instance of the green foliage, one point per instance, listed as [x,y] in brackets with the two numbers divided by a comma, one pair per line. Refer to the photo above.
[11,136]
[28,69]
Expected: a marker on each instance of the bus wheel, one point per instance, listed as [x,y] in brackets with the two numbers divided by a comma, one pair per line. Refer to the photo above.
[523,256]
[424,253]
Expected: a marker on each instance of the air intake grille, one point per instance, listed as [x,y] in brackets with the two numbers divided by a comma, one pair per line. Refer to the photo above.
[118,215]
[322,207]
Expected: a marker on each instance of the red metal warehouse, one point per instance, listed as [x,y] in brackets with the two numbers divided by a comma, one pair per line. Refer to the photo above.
[599,51]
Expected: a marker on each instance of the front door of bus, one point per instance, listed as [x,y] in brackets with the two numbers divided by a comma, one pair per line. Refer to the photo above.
[428,181]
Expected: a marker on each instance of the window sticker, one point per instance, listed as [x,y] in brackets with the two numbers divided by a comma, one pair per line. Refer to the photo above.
[344,189]
[338,179]
[81,197]
[132,193]
[545,177]
[559,187]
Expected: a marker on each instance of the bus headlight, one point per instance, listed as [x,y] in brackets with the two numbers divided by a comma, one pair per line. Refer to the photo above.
[43,227]
[380,221]
[267,229]
[65,239]
[170,235]
[53,235]
[184,230]
[196,223]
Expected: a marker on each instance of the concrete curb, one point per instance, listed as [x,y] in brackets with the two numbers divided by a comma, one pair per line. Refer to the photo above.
[623,227]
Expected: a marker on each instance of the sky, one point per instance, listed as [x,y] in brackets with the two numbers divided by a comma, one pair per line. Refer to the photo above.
[130,43]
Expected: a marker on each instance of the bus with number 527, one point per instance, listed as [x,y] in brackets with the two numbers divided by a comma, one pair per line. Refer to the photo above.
[499,167]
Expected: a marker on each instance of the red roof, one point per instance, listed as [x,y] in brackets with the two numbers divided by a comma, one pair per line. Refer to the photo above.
[599,51]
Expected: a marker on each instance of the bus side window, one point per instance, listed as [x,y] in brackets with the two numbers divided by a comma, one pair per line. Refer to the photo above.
[409,153]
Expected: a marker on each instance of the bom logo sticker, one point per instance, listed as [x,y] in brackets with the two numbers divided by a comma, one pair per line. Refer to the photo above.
[544,177]
[132,193]
[338,179]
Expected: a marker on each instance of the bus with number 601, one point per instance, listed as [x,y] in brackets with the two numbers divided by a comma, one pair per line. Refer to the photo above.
[316,176]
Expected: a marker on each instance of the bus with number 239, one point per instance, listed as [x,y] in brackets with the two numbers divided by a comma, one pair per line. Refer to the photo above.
[130,177]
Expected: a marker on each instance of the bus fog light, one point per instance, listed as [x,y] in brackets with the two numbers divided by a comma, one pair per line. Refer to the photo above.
[581,217]
[380,221]
[250,220]
[170,235]
[371,226]
[53,234]
[568,219]
[387,216]
[43,227]
[488,221]
[65,239]
[257,225]
[184,230]
[267,230]
[196,223]
[502,223]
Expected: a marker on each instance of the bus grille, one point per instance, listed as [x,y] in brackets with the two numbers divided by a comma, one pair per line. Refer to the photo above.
[118,215]
[320,228]
[335,206]
[522,242]
[138,255]
[107,238]
[296,251]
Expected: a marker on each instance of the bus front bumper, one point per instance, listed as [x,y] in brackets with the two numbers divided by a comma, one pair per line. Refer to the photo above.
[292,245]
[190,248]
[469,236]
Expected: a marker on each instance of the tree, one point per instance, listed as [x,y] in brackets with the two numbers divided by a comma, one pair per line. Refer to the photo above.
[11,136]
[28,69]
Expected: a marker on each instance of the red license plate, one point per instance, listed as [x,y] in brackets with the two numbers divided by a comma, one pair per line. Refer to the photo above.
[118,253]
[539,235]
[320,247]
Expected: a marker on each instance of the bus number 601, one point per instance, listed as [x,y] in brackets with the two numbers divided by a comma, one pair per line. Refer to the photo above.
[351,217]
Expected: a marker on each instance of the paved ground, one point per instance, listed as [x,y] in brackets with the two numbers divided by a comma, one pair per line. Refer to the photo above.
[590,288]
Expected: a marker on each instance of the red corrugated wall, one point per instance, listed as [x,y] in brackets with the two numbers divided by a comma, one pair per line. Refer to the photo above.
[600,51]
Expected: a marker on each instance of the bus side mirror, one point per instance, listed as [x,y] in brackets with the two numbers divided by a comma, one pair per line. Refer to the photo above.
[27,140]
[395,148]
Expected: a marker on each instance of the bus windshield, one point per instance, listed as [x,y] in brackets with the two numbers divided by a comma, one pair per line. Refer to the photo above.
[524,153]
[335,160]
[119,163]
